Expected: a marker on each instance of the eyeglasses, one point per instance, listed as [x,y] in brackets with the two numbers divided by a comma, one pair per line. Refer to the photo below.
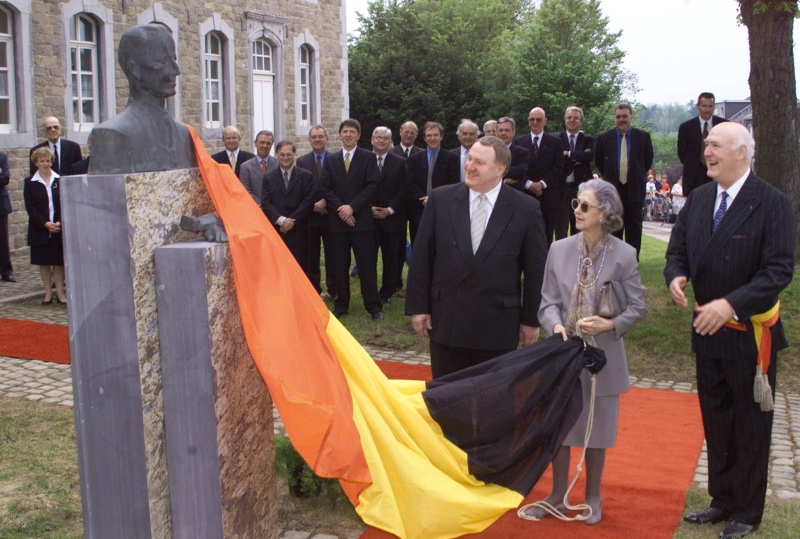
[584,206]
[49,127]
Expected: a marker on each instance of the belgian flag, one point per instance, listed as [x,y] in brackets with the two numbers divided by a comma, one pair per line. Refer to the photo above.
[418,460]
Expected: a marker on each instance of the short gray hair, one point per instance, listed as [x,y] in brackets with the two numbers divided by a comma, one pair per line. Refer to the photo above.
[608,201]
[318,126]
[382,130]
[508,120]
[573,109]
[466,122]
[745,139]
[490,122]
[265,132]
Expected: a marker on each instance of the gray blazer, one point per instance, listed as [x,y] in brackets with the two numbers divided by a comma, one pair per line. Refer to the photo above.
[252,178]
[560,276]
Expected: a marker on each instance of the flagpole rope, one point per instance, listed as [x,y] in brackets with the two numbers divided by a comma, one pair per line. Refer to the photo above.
[586,510]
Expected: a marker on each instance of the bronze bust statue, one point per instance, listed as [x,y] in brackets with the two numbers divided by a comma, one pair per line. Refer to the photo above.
[144,137]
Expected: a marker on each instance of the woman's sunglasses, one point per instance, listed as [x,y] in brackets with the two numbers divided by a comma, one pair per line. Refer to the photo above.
[584,206]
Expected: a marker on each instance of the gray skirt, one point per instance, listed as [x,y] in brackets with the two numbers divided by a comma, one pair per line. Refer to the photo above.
[604,426]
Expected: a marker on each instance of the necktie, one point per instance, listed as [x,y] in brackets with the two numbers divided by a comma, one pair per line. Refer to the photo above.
[347,162]
[408,151]
[285,180]
[233,160]
[380,164]
[478,224]
[623,160]
[705,129]
[572,143]
[263,166]
[463,163]
[319,165]
[723,207]
[535,147]
[56,167]
[431,164]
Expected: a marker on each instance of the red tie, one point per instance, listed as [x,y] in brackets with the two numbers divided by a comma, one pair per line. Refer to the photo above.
[263,166]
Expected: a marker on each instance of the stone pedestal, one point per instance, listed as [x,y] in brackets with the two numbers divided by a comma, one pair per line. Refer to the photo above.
[217,409]
[112,224]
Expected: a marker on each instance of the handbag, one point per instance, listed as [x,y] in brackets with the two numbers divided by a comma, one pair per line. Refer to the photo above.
[612,300]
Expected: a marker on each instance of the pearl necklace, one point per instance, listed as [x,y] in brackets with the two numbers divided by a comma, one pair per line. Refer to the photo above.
[587,263]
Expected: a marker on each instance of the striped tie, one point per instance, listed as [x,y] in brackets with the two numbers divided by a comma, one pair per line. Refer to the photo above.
[723,207]
[478,224]
[623,160]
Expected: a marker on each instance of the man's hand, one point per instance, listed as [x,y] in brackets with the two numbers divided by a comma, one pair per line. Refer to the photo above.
[420,323]
[345,211]
[712,316]
[424,201]
[509,181]
[350,221]
[320,206]
[380,213]
[287,225]
[536,188]
[528,334]
[676,291]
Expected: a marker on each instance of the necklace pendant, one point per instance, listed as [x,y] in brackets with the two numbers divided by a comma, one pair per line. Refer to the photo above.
[587,262]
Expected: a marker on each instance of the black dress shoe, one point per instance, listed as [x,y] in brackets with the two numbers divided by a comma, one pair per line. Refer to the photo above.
[338,314]
[712,515]
[377,316]
[386,300]
[737,529]
[47,302]
[9,278]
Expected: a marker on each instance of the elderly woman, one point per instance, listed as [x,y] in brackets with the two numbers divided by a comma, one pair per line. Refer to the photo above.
[577,268]
[43,204]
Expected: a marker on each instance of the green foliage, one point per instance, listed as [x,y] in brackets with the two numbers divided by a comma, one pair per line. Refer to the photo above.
[665,152]
[301,480]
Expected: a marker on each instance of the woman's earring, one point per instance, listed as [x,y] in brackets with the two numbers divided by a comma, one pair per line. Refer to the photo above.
[602,221]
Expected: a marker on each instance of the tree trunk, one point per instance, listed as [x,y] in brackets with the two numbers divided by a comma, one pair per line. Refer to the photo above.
[773,95]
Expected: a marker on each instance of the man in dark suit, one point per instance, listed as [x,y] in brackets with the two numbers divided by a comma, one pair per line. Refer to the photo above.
[734,241]
[691,143]
[623,156]
[286,200]
[6,269]
[427,170]
[318,232]
[476,271]
[506,128]
[578,156]
[252,171]
[545,178]
[408,134]
[349,184]
[232,155]
[467,135]
[66,152]
[388,210]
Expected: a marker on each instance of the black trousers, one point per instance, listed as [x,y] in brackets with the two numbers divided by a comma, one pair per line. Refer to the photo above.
[550,217]
[5,252]
[632,220]
[571,191]
[446,359]
[319,235]
[738,434]
[391,243]
[363,246]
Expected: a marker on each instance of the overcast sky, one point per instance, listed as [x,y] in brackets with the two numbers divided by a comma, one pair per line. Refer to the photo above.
[677,48]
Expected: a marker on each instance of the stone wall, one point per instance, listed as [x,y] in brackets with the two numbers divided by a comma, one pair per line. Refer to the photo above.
[320,19]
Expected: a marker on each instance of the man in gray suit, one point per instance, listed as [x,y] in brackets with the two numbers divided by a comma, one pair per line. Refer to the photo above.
[734,241]
[252,172]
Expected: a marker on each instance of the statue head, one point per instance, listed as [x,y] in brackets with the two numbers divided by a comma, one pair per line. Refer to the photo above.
[147,57]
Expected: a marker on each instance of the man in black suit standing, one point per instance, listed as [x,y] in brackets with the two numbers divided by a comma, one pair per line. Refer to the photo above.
[506,128]
[467,135]
[408,134]
[545,178]
[232,155]
[623,156]
[691,143]
[734,241]
[388,210]
[6,269]
[578,156]
[427,170]
[66,152]
[252,171]
[318,231]
[286,199]
[349,184]
[476,271]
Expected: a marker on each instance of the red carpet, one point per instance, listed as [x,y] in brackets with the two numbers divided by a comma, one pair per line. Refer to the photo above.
[34,340]
[646,476]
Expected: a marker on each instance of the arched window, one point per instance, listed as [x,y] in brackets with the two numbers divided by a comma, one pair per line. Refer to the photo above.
[83,44]
[263,77]
[214,87]
[7,73]
[305,90]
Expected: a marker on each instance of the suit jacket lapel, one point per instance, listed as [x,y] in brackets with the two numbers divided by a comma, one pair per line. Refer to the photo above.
[498,221]
[459,218]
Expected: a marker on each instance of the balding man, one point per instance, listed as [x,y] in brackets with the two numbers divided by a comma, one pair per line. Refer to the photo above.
[467,133]
[408,134]
[546,172]
[734,241]
[232,155]
[66,152]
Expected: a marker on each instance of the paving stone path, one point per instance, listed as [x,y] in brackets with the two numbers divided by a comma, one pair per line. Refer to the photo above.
[52,383]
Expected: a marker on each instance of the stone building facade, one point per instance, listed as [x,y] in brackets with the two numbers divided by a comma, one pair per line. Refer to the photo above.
[257,64]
